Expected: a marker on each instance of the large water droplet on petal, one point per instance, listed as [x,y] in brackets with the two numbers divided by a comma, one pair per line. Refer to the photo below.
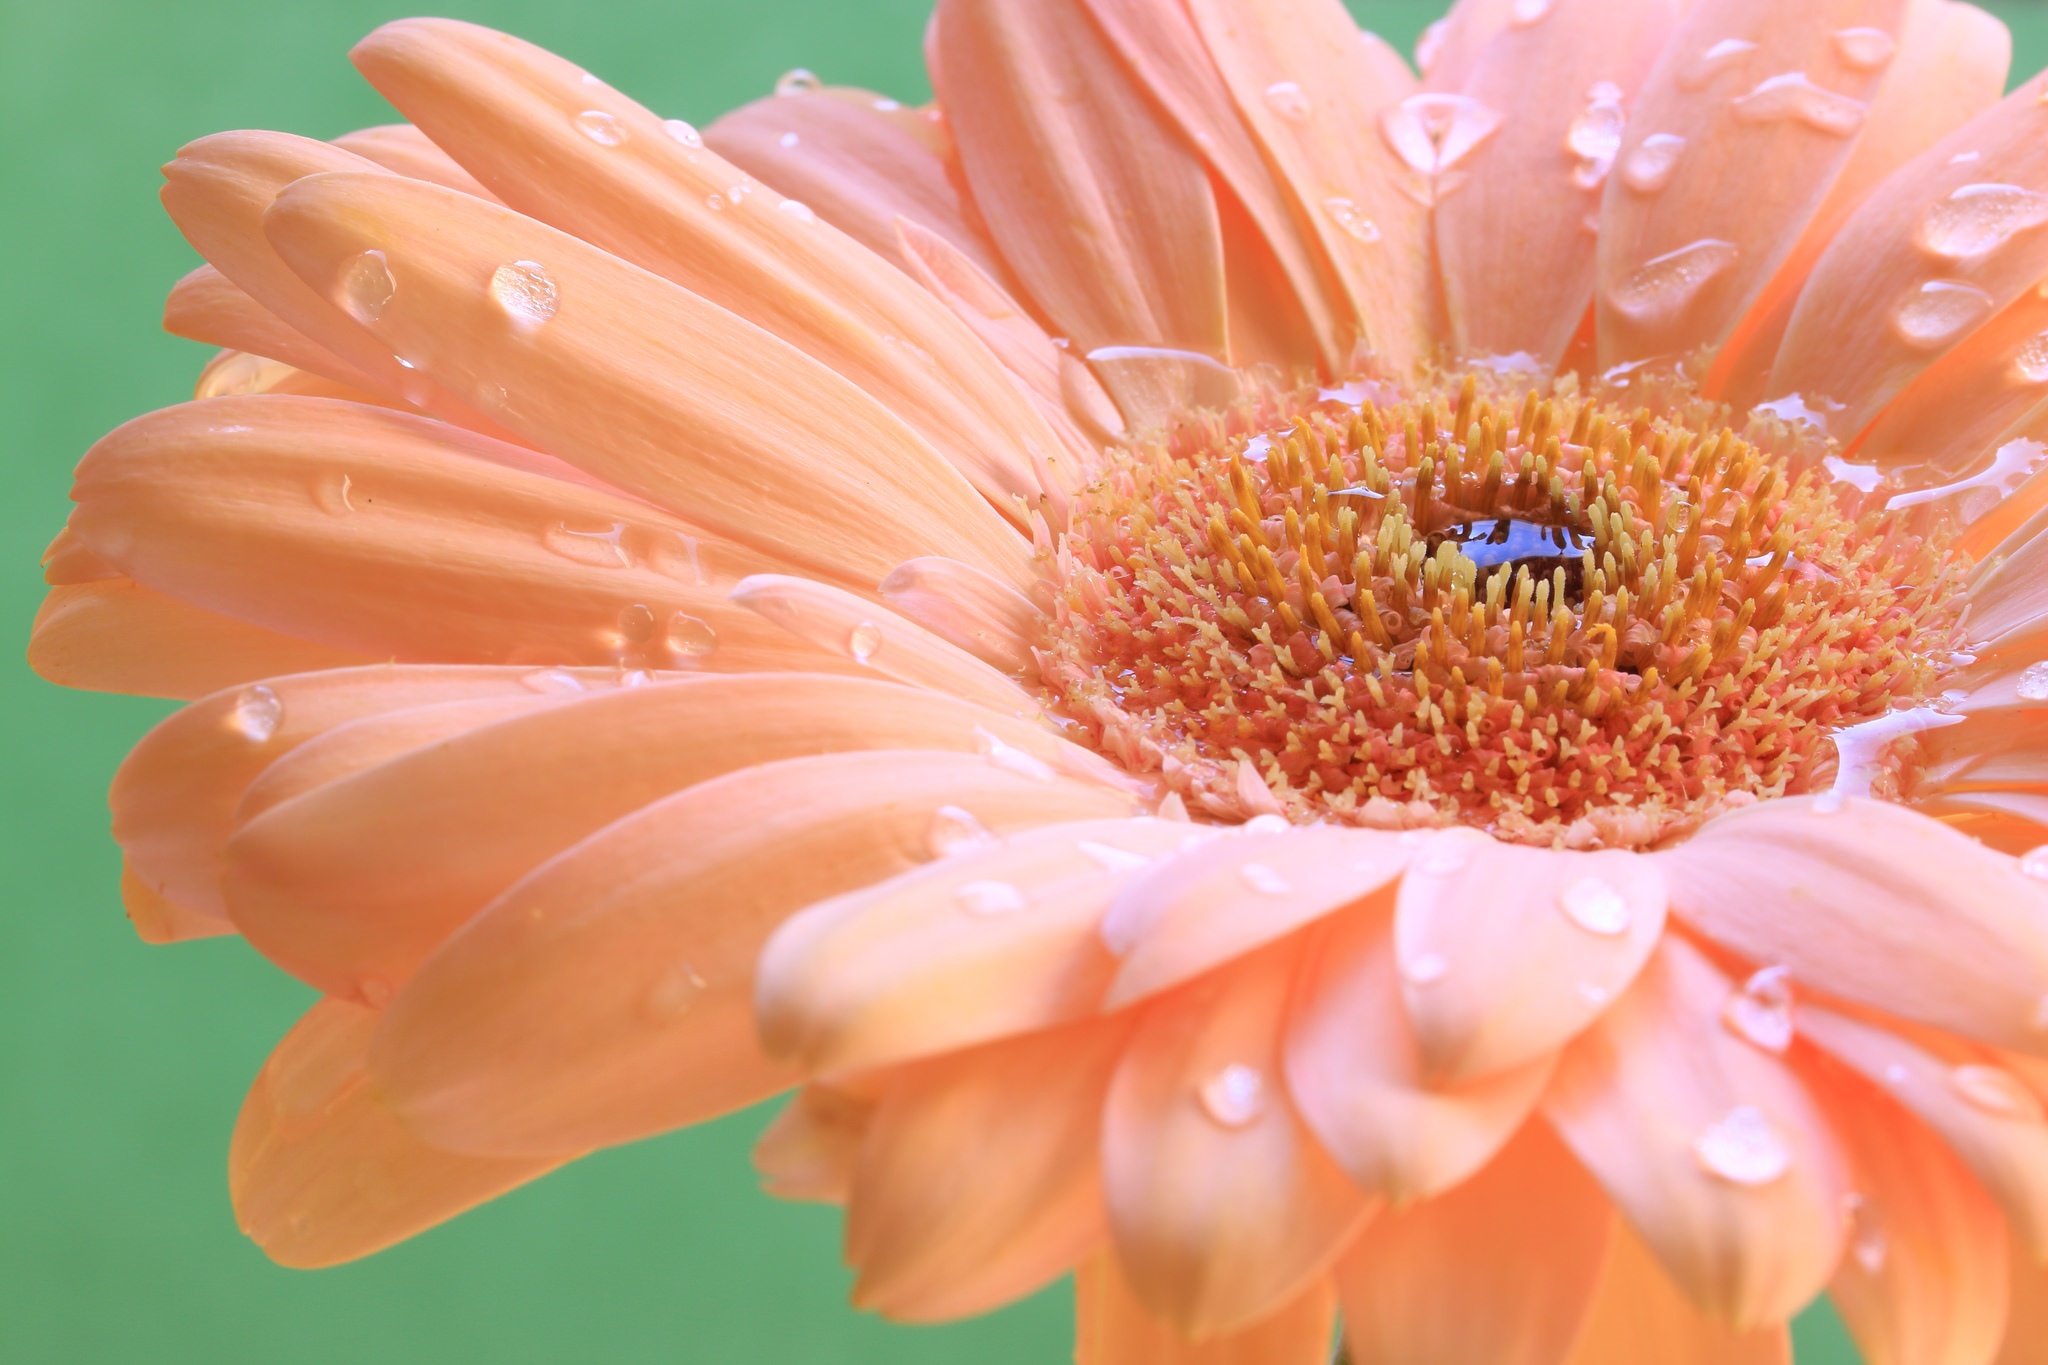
[863,642]
[1433,133]
[1976,220]
[2030,362]
[1263,879]
[256,714]
[691,637]
[1743,1149]
[1597,907]
[367,287]
[1649,167]
[1288,100]
[955,830]
[1595,135]
[671,996]
[1794,96]
[1666,285]
[798,82]
[989,898]
[1996,1091]
[602,128]
[1235,1096]
[1865,49]
[524,291]
[1762,1010]
[2033,683]
[1938,312]
[1722,56]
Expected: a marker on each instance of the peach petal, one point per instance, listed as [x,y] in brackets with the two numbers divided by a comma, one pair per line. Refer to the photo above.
[1506,952]
[405,150]
[207,306]
[322,1173]
[2010,597]
[1230,895]
[2007,1149]
[1639,1316]
[976,611]
[1939,249]
[1223,1206]
[1878,904]
[1499,1271]
[1447,56]
[1681,265]
[69,561]
[1357,1075]
[873,637]
[1099,206]
[158,920]
[807,1153]
[2026,1329]
[1529,194]
[115,635]
[757,442]
[995,940]
[1354,194]
[237,374]
[978,1181]
[517,117]
[1112,1327]
[584,1008]
[1710,1146]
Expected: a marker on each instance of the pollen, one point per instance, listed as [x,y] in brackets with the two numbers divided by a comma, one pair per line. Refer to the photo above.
[1567,617]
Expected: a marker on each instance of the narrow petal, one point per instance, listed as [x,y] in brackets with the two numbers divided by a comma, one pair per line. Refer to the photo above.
[69,560]
[976,611]
[1113,1328]
[588,1006]
[1499,1271]
[1876,904]
[321,1173]
[1452,47]
[405,150]
[1358,1078]
[1639,1316]
[1962,407]
[1506,952]
[808,1152]
[207,306]
[978,1180]
[1223,1206]
[996,940]
[159,920]
[754,440]
[114,635]
[1710,1146]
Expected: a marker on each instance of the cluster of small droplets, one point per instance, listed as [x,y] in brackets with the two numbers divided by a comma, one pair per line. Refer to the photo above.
[1545,614]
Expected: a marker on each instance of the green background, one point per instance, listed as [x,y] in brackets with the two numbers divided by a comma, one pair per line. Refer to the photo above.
[121,1066]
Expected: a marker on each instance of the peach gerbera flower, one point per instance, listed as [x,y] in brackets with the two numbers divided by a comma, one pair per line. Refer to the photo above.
[1206,644]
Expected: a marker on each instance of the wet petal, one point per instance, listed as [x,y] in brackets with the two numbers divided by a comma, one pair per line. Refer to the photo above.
[1965,404]
[976,611]
[404,149]
[1113,1328]
[207,306]
[2026,1331]
[807,1152]
[1639,1316]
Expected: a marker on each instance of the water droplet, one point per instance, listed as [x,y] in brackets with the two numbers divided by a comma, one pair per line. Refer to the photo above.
[1762,1010]
[683,132]
[1860,751]
[1430,45]
[1597,907]
[2012,464]
[715,202]
[1445,857]
[1895,1074]
[1268,824]
[1965,158]
[636,623]
[2030,362]
[1265,880]
[1666,285]
[525,292]
[955,830]
[1865,49]
[600,547]
[672,996]
[1794,96]
[1938,312]
[336,495]
[1869,1244]
[1235,1096]
[989,898]
[787,141]
[1347,215]
[1743,1149]
[1288,100]
[554,682]
[798,82]
[601,128]
[863,642]
[1650,166]
[799,210]
[2034,863]
[1433,133]
[691,637]
[1594,995]
[1009,758]
[367,287]
[1425,969]
[1595,135]
[256,714]
[2033,683]
[375,992]
[1996,1091]
[1863,477]
[1722,56]
[738,193]
[1527,12]
[636,677]
[1976,220]
[1113,859]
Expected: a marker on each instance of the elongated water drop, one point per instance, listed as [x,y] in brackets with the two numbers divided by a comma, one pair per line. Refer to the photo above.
[1347,215]
[683,132]
[690,637]
[1650,166]
[524,292]
[1288,100]
[1865,49]
[1595,135]
[1793,96]
[1996,1091]
[1263,879]
[1939,311]
[1975,220]
[602,128]
[955,830]
[367,287]
[1761,1011]
[864,641]
[2030,362]
[1743,1149]
[1725,55]
[1010,758]
[1235,1096]
[1597,907]
[1666,285]
[989,899]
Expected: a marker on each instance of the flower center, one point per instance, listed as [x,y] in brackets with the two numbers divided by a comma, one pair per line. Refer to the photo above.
[1564,617]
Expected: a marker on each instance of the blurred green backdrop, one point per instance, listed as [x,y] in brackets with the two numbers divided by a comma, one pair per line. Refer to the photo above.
[121,1067]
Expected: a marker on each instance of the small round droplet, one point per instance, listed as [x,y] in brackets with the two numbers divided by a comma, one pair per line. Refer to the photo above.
[1597,907]
[1865,49]
[1869,1243]
[1425,969]
[1743,1149]
[683,132]
[367,287]
[525,293]
[1666,285]
[2030,362]
[989,898]
[1794,97]
[2033,683]
[2034,863]
[1288,100]
[1235,1096]
[788,141]
[1761,1012]
[864,641]
[1347,215]
[256,714]
[1651,165]
[1938,312]
[671,996]
[1263,879]
[601,128]
[799,210]
[955,830]
[1527,12]
[690,637]
[798,82]
[1975,220]
[1996,1091]
[636,623]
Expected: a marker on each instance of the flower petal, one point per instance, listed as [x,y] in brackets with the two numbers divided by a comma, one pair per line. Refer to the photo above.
[1711,1148]
[1961,406]
[321,1173]
[1113,1328]
[1499,1271]
[405,150]
[976,611]
[808,1152]
[1223,1206]
[1506,952]
[207,306]
[2026,1330]
[590,1006]
[1639,1316]
[1876,904]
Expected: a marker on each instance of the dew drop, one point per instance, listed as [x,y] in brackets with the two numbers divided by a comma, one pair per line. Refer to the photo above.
[256,714]
[683,132]
[1110,858]
[1793,96]
[863,641]
[336,495]
[1761,1011]
[2034,863]
[1346,214]
[1235,1096]
[600,127]
[636,623]
[1722,56]
[367,287]
[1976,220]
[1597,907]
[788,141]
[798,82]
[599,547]
[989,898]
[2030,362]
[1865,49]
[1595,135]
[1896,1075]
[715,202]
[1263,879]
[1743,1149]
[1288,100]
[1869,1244]
[1527,12]
[1938,312]
[672,996]
[554,682]
[1268,824]
[1666,285]
[1425,969]
[1996,1091]
[1432,133]
[1650,166]
[525,293]
[691,637]
[2033,683]
[1009,758]
[955,830]
[799,210]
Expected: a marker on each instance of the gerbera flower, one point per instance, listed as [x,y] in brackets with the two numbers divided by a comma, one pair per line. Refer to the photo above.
[1268,681]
